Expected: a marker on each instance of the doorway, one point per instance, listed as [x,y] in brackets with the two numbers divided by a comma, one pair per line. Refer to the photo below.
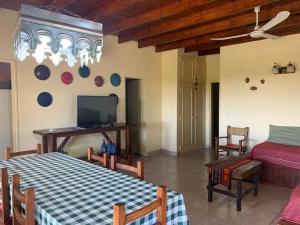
[215,101]
[6,107]
[133,113]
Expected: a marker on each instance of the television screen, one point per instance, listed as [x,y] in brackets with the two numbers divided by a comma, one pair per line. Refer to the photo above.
[94,111]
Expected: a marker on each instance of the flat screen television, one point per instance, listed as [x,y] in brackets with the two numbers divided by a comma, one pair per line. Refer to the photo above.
[96,111]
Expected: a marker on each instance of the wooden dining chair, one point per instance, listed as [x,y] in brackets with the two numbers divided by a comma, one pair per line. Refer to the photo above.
[8,154]
[26,199]
[138,170]
[103,160]
[5,217]
[241,147]
[160,204]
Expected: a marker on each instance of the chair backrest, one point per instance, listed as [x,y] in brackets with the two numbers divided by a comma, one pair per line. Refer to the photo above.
[26,199]
[237,131]
[103,160]
[138,170]
[5,212]
[8,154]
[160,204]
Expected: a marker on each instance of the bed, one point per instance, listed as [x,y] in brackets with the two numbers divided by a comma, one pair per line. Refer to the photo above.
[291,213]
[281,163]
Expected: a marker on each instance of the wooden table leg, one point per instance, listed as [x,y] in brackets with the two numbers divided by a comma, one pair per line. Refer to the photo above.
[239,195]
[54,143]
[45,143]
[256,181]
[118,141]
[128,151]
[210,187]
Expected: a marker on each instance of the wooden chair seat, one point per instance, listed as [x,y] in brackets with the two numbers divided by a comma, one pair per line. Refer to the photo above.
[26,199]
[160,204]
[102,159]
[5,217]
[8,154]
[230,147]
[138,170]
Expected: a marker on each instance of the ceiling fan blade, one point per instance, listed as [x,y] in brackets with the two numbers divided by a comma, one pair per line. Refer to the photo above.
[283,15]
[231,37]
[270,36]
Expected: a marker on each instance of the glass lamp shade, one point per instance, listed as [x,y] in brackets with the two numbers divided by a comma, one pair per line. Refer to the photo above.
[290,68]
[44,34]
[275,69]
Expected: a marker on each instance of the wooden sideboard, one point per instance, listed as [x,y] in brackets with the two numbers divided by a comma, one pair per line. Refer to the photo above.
[49,136]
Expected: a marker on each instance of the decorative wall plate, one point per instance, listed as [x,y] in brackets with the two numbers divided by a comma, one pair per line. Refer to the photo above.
[84,71]
[45,99]
[42,72]
[67,78]
[114,95]
[115,79]
[99,81]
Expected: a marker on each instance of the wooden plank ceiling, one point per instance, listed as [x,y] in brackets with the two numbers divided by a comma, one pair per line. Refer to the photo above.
[172,24]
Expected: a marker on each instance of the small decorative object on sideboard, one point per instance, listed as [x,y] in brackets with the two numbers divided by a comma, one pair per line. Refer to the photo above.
[277,69]
[109,148]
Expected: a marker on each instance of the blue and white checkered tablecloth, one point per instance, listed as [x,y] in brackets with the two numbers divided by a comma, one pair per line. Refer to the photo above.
[70,191]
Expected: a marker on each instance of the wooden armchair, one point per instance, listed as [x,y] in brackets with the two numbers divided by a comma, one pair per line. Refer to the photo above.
[160,204]
[26,199]
[5,209]
[103,160]
[8,154]
[241,148]
[138,170]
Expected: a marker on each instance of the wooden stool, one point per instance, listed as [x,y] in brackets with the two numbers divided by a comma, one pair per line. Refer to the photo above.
[240,174]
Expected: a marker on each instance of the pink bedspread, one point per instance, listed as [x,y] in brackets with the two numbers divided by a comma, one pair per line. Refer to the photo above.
[292,210]
[284,155]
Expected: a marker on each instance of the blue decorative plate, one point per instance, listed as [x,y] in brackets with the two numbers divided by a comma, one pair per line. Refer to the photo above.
[115,79]
[84,71]
[42,72]
[116,96]
[45,99]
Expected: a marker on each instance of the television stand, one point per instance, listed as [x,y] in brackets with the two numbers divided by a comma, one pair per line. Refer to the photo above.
[49,137]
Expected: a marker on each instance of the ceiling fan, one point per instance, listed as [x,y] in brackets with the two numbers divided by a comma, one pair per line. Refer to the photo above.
[259,32]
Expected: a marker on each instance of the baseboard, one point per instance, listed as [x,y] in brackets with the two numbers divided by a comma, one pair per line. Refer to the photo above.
[163,151]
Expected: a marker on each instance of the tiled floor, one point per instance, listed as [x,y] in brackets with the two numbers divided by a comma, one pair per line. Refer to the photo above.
[187,174]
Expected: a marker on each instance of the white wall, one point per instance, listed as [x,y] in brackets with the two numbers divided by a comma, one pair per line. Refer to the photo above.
[169,100]
[275,102]
[126,59]
[5,120]
[212,76]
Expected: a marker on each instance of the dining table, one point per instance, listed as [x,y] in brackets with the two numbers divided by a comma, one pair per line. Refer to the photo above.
[71,191]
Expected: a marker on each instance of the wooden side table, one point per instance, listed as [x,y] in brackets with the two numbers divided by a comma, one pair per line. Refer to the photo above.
[240,174]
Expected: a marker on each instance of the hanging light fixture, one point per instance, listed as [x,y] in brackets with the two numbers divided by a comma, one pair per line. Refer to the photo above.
[46,34]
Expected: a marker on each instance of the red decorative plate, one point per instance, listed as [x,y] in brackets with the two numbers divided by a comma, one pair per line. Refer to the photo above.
[67,78]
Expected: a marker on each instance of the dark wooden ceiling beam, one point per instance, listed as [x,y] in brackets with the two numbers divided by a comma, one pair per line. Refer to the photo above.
[164,11]
[209,52]
[234,7]
[280,32]
[61,3]
[202,40]
[112,7]
[228,23]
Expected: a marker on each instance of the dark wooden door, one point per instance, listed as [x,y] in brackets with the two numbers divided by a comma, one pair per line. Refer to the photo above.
[215,93]
[133,113]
